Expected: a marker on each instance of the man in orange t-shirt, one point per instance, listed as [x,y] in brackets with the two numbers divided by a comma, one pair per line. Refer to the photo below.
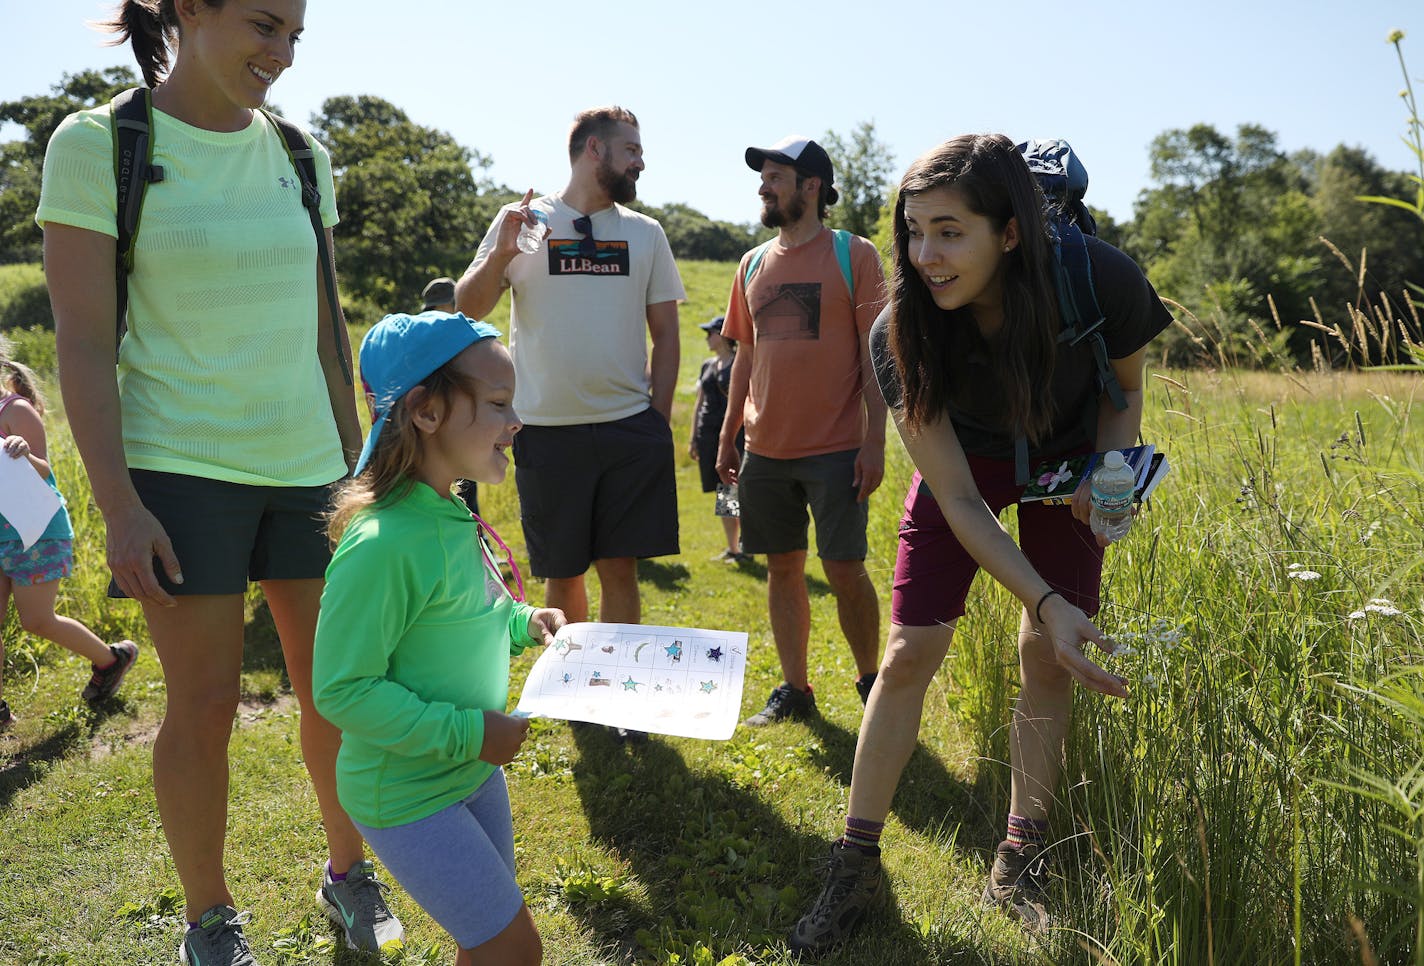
[803,386]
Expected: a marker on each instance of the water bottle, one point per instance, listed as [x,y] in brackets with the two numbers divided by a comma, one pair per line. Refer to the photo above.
[1113,485]
[531,237]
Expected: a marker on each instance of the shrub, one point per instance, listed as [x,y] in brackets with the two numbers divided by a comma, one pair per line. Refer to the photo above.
[24,299]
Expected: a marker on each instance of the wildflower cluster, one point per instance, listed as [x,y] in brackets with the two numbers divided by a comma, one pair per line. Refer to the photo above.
[1377,605]
[1298,572]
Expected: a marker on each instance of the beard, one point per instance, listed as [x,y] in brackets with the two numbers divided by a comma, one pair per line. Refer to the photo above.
[774,216]
[622,188]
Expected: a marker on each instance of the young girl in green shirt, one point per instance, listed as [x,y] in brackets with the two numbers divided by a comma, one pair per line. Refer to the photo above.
[417,627]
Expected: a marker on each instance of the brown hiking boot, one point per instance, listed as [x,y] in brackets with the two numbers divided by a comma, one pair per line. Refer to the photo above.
[1018,885]
[853,883]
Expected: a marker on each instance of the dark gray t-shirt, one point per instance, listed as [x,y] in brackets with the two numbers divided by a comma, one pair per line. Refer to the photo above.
[1132,315]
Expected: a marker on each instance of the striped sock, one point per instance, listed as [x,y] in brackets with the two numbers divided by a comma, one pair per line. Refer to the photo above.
[1026,831]
[863,835]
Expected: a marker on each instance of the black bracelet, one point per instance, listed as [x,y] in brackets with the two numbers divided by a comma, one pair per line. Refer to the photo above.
[1038,608]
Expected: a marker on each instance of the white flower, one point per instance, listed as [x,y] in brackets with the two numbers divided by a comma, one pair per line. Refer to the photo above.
[1123,650]
[1303,575]
[1377,605]
[1151,680]
[1295,566]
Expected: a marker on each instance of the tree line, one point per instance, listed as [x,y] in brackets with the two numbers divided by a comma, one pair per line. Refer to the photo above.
[1233,228]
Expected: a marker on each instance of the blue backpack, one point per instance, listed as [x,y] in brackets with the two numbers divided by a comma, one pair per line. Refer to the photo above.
[842,244]
[1064,181]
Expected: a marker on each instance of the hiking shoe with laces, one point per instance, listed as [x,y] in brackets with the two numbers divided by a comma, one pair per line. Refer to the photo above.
[357,907]
[864,683]
[1018,884]
[853,883]
[217,940]
[106,680]
[785,702]
[7,717]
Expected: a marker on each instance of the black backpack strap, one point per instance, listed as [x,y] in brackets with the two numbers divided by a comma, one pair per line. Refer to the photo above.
[303,160]
[1078,302]
[131,124]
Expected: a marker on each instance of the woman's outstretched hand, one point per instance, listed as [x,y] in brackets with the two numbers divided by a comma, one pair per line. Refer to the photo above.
[1068,627]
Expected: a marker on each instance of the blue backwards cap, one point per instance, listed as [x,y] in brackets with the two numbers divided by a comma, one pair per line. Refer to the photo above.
[401,350]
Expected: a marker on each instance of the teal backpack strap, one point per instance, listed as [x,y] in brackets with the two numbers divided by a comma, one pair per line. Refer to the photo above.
[755,262]
[131,127]
[842,243]
[303,159]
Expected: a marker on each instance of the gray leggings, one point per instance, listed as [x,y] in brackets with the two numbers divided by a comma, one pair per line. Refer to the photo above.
[458,864]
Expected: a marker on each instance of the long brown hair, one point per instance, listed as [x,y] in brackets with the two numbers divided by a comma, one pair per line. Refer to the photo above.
[389,473]
[151,28]
[994,181]
[17,378]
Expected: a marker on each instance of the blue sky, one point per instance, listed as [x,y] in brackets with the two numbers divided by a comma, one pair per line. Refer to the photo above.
[707,80]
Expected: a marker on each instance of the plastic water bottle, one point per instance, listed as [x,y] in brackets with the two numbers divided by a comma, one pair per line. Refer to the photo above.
[531,237]
[1113,485]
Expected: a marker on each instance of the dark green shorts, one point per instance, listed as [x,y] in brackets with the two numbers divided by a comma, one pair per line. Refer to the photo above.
[775,495]
[227,534]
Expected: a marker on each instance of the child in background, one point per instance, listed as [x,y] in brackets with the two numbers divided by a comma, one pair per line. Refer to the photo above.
[32,575]
[711,409]
[417,627]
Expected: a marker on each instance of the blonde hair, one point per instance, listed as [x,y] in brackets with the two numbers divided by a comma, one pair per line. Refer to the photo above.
[389,473]
[18,378]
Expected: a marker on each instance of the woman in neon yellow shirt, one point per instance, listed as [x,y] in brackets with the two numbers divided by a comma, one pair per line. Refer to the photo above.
[212,450]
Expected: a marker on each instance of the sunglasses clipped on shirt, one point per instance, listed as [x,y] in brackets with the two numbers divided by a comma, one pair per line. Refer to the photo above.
[587,247]
[517,591]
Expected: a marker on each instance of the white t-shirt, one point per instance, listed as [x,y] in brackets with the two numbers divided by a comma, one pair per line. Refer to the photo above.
[578,323]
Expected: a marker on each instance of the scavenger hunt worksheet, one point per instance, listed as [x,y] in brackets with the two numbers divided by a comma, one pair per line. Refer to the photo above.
[684,681]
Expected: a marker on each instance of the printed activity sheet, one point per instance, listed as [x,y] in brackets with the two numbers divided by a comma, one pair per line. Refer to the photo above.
[25,499]
[684,681]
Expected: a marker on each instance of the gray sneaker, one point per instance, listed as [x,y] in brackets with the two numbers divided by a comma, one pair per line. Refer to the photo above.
[217,940]
[853,883]
[356,906]
[1018,884]
[784,703]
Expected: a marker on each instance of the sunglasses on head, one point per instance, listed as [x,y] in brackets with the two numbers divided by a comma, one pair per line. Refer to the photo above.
[587,247]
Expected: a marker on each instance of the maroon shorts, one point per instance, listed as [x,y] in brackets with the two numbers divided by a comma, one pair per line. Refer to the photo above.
[933,570]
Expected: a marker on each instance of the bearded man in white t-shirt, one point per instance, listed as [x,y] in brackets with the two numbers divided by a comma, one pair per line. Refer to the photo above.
[594,462]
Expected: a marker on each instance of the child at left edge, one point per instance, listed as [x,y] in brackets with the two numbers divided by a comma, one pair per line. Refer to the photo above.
[31,574]
[417,627]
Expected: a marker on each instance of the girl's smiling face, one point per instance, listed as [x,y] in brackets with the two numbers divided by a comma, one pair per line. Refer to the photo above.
[958,253]
[470,438]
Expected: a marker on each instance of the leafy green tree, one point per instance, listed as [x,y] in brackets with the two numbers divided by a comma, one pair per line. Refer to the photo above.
[22,161]
[863,166]
[411,205]
[1228,225]
[691,234]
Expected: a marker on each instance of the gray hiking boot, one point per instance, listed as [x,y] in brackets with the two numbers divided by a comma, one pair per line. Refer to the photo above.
[785,703]
[217,940]
[358,909]
[1018,884]
[853,883]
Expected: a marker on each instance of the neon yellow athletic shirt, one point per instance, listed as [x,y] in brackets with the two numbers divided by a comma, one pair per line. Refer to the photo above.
[218,374]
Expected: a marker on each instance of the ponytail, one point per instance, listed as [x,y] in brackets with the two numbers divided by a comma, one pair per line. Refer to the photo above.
[151,28]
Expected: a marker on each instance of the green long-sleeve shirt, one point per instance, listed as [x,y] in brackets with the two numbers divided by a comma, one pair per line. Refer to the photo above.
[412,646]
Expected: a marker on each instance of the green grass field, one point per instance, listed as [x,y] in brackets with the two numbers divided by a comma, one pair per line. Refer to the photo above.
[1258,799]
